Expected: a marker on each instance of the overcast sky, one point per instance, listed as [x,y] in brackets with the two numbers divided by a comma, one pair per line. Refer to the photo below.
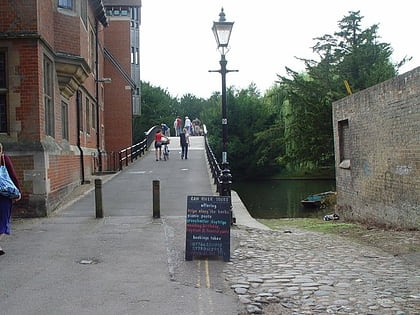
[178,47]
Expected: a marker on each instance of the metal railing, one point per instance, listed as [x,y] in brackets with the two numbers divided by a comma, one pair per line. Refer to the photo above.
[220,172]
[128,155]
[132,153]
[215,169]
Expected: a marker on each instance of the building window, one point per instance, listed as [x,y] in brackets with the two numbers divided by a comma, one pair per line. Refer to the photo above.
[132,55]
[87,108]
[64,121]
[48,97]
[344,143]
[84,12]
[92,50]
[3,113]
[79,111]
[134,17]
[2,70]
[3,90]
[93,115]
[65,4]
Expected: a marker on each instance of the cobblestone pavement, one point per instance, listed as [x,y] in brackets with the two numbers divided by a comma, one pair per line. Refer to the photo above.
[302,272]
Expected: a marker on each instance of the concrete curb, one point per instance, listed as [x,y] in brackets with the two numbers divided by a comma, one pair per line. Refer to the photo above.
[241,214]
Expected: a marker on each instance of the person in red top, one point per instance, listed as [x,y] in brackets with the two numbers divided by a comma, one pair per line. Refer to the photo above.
[158,145]
[5,202]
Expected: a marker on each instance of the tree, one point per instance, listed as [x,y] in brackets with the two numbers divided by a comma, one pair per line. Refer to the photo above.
[291,126]
[350,54]
[157,106]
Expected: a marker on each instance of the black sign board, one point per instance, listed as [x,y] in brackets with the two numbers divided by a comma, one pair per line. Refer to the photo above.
[208,226]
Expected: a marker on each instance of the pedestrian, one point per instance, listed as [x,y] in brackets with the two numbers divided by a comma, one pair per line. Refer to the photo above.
[184,139]
[178,126]
[196,127]
[158,145]
[6,202]
[165,129]
[187,124]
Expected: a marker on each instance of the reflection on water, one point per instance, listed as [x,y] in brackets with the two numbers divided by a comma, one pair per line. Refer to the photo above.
[274,199]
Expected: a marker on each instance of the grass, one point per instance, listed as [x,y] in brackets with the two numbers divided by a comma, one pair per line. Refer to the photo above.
[316,225]
[392,241]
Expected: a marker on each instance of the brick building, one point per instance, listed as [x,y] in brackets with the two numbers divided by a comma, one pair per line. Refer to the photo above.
[53,96]
[377,149]
[123,66]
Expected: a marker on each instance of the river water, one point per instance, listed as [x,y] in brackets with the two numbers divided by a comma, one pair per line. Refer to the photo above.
[275,199]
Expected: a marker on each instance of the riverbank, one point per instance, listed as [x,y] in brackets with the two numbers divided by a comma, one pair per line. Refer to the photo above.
[327,173]
[405,244]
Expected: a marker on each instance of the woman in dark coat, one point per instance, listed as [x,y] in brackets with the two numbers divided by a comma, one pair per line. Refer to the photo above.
[5,202]
[184,139]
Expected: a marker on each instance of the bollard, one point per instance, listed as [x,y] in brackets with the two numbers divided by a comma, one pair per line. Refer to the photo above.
[98,198]
[156,199]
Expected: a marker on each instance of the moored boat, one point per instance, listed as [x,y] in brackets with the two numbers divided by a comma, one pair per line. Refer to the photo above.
[316,200]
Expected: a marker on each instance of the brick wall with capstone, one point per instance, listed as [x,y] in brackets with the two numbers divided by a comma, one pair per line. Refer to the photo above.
[380,183]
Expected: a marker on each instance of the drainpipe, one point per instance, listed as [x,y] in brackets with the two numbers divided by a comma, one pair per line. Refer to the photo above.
[78,120]
[98,127]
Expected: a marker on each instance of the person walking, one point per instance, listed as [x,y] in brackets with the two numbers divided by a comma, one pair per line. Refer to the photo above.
[158,145]
[178,126]
[187,124]
[184,139]
[165,129]
[5,202]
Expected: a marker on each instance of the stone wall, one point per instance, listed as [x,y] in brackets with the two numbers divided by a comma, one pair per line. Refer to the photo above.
[377,149]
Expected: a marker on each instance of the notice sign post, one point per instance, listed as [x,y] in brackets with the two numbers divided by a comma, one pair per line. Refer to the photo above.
[208,227]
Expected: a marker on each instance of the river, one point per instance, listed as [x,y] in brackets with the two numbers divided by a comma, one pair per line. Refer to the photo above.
[274,199]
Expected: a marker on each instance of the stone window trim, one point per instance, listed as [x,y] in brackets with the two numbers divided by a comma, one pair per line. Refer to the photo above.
[344,143]
[64,120]
[48,96]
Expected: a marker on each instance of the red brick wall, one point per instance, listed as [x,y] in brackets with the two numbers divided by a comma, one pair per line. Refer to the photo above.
[22,163]
[68,39]
[118,114]
[28,86]
[63,169]
[17,16]
[48,167]
[45,16]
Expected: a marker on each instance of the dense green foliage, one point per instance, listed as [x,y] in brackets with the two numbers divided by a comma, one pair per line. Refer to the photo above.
[289,129]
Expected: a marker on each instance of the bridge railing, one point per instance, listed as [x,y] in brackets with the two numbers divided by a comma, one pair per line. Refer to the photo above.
[215,169]
[220,172]
[128,155]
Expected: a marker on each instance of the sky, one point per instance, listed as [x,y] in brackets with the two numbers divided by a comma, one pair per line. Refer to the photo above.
[178,48]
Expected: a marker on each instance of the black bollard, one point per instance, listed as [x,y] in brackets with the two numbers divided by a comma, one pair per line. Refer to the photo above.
[156,199]
[98,198]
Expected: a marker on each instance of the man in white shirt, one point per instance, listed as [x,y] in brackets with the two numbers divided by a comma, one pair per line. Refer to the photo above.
[187,124]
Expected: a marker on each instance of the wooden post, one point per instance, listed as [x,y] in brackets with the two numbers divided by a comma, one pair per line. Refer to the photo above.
[98,198]
[156,199]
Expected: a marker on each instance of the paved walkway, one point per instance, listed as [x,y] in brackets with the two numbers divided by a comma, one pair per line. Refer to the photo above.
[130,263]
[302,272]
[125,263]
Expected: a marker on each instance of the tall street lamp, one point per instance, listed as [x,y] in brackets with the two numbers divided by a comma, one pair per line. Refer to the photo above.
[222,31]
